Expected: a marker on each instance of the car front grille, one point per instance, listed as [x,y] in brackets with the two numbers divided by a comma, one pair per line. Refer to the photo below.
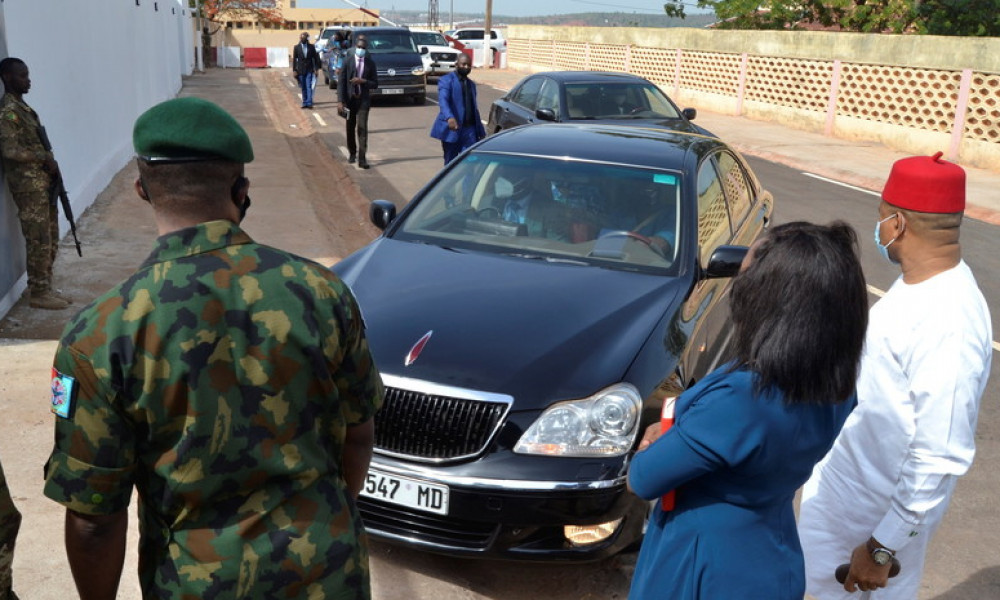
[436,529]
[431,423]
[447,56]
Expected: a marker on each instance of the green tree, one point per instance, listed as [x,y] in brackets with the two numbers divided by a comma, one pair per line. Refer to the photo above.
[938,17]
[961,17]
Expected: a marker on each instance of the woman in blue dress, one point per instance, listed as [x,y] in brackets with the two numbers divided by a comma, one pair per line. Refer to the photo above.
[746,436]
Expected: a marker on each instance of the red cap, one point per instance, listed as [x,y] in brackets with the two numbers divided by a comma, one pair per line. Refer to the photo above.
[926,184]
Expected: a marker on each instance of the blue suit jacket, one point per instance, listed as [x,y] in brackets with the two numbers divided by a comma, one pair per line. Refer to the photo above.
[450,100]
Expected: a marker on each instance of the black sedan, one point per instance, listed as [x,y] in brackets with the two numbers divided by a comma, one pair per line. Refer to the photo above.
[566,96]
[530,310]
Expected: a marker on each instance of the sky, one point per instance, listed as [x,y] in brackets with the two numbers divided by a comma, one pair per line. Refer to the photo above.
[514,8]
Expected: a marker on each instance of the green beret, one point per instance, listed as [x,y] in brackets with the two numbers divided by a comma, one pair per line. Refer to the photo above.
[190,128]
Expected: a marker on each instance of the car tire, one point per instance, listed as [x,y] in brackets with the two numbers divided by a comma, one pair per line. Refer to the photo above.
[420,99]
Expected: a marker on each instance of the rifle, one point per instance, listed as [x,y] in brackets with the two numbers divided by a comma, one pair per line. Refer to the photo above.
[59,191]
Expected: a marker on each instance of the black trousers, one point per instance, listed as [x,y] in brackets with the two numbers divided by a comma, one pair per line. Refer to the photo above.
[357,121]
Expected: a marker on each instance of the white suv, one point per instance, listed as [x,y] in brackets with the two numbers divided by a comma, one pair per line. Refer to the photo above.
[439,58]
[472,37]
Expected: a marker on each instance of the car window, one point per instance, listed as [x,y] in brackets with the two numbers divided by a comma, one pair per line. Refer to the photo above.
[548,96]
[611,216]
[737,188]
[527,94]
[427,38]
[713,217]
[393,41]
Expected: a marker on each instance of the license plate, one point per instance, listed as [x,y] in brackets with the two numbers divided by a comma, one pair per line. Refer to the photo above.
[388,91]
[411,493]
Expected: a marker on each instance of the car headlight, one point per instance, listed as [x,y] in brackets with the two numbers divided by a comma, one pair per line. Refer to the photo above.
[418,70]
[604,424]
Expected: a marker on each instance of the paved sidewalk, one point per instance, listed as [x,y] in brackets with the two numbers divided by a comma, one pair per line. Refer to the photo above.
[117,233]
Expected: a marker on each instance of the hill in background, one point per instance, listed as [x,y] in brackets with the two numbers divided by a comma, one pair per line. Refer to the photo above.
[589,19]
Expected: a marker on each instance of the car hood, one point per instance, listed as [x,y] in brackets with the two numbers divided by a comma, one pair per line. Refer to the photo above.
[535,330]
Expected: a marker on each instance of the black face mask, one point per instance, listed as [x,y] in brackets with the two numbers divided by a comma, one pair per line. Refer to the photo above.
[463,72]
[234,192]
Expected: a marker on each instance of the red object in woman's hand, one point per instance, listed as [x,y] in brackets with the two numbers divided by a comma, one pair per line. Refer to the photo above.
[666,422]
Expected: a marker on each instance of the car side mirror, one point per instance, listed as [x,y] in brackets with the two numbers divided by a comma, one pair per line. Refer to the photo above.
[424,50]
[381,213]
[689,113]
[545,114]
[725,261]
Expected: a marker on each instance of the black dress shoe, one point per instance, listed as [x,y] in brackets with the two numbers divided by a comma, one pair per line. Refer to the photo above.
[363,163]
[351,158]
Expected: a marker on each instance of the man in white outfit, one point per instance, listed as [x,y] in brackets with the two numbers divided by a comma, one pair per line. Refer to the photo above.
[886,483]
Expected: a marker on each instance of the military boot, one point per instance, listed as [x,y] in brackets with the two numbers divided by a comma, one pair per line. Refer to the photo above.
[47,301]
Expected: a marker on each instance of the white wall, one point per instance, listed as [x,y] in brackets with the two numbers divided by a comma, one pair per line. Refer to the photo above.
[95,66]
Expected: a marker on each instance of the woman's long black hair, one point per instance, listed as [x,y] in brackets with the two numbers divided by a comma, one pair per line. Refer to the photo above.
[800,311]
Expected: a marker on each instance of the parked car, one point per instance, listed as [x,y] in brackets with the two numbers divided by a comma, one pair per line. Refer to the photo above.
[400,67]
[473,37]
[522,361]
[561,96]
[439,57]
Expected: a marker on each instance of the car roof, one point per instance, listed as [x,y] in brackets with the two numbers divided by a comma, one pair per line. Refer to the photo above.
[620,144]
[379,28]
[591,77]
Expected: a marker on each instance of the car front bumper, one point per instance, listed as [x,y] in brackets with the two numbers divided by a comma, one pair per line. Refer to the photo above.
[510,519]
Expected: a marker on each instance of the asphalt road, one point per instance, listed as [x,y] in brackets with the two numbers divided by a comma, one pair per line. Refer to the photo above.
[963,561]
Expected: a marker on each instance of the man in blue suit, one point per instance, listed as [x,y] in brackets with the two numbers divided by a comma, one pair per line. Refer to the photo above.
[458,124]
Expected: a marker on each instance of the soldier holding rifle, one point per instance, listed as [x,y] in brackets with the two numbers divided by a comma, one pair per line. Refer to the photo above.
[32,174]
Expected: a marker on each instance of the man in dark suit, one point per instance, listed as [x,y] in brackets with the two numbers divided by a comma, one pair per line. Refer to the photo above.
[305,63]
[458,124]
[358,76]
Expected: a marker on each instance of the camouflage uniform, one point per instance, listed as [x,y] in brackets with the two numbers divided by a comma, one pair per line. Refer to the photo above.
[23,157]
[10,522]
[219,379]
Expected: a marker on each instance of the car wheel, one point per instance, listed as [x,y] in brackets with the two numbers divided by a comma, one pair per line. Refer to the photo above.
[420,99]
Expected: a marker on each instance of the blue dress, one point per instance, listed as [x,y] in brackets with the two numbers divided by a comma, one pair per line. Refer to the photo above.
[735,460]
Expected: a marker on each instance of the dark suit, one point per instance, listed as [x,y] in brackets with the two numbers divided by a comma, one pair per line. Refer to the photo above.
[452,101]
[357,99]
[305,63]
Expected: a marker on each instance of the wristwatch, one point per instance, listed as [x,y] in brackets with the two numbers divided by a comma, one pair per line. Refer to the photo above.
[880,555]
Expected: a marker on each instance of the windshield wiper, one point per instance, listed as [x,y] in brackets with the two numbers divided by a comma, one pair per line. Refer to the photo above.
[552,259]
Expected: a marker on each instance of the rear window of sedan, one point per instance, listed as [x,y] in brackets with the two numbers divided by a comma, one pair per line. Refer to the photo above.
[608,215]
[617,101]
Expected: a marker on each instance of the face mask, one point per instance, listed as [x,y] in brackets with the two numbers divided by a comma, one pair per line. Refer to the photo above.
[884,250]
[243,209]
[361,52]
[463,72]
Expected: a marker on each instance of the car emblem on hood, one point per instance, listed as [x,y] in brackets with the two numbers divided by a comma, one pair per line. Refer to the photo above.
[391,72]
[417,348]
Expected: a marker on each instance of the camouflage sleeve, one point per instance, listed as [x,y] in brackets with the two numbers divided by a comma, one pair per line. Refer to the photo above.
[10,522]
[357,378]
[91,468]
[12,146]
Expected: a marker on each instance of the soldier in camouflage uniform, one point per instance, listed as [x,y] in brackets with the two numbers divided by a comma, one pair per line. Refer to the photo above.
[10,522]
[229,382]
[29,169]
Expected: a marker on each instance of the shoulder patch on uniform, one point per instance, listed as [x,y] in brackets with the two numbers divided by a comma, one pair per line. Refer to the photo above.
[11,116]
[62,393]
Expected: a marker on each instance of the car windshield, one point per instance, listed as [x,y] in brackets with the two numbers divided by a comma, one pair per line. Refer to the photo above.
[608,215]
[427,38]
[386,42]
[599,100]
